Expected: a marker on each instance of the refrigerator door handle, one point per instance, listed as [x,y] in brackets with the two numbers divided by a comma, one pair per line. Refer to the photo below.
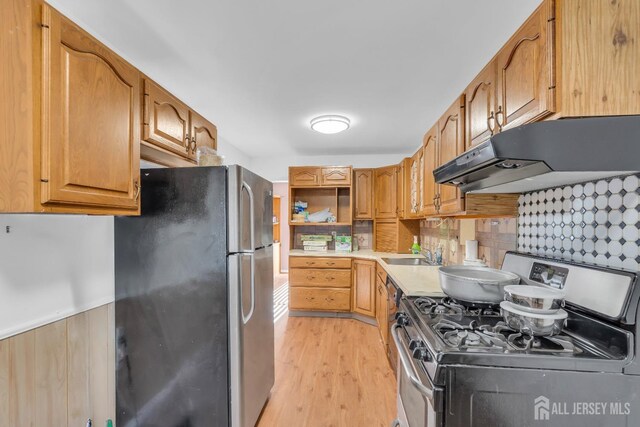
[246,318]
[252,239]
[252,215]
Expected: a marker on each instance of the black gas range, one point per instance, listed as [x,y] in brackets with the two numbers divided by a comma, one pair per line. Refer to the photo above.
[463,366]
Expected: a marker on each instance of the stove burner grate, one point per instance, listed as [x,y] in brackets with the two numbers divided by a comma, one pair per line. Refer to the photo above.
[449,306]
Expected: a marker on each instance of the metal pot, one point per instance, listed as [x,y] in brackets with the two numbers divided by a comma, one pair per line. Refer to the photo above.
[535,299]
[539,325]
[476,285]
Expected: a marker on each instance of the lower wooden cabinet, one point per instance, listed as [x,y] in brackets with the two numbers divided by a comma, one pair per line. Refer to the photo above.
[319,284]
[364,292]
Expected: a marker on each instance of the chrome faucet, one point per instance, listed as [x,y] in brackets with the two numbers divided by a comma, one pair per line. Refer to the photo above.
[429,256]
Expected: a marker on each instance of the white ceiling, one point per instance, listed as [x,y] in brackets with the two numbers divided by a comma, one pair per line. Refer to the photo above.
[261,70]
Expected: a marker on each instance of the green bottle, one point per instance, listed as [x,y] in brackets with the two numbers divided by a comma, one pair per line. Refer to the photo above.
[415,248]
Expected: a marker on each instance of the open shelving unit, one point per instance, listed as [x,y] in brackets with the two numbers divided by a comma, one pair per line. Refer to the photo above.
[338,198]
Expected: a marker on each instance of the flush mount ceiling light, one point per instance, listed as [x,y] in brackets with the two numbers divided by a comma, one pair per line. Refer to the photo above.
[330,124]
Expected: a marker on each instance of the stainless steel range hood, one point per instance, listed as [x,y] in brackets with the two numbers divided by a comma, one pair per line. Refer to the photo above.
[547,154]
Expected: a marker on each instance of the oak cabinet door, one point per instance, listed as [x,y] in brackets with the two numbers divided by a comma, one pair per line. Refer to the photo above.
[385,192]
[304,176]
[525,74]
[91,120]
[202,132]
[415,185]
[166,121]
[430,144]
[336,176]
[480,109]
[451,145]
[364,291]
[364,194]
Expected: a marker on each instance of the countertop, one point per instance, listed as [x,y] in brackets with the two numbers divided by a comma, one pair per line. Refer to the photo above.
[413,280]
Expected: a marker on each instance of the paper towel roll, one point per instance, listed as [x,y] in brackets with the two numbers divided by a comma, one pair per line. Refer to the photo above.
[471,249]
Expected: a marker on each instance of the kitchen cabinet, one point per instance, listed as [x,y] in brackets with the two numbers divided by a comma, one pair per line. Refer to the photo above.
[451,145]
[400,189]
[385,192]
[90,120]
[363,181]
[364,291]
[382,311]
[166,121]
[304,176]
[319,284]
[203,133]
[431,161]
[525,81]
[169,124]
[480,108]
[336,176]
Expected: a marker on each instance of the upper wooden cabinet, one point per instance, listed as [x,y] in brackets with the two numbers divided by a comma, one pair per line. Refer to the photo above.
[202,132]
[385,192]
[451,145]
[364,291]
[70,114]
[336,176]
[316,176]
[525,83]
[166,120]
[169,124]
[91,104]
[363,180]
[304,176]
[480,107]
[431,161]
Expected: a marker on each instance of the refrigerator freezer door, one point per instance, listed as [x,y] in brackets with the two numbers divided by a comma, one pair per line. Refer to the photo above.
[171,302]
[250,211]
[251,337]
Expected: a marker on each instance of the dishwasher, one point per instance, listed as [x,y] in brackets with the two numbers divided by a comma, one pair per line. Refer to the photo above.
[394,294]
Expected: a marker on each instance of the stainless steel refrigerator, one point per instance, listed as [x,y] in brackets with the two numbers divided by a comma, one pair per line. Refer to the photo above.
[194,300]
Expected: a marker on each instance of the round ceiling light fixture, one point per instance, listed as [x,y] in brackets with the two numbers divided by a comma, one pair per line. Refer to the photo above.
[330,124]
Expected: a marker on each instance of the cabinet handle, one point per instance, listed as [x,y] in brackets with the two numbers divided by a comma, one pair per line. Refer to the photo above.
[137,186]
[311,277]
[490,119]
[331,263]
[195,145]
[499,122]
[187,144]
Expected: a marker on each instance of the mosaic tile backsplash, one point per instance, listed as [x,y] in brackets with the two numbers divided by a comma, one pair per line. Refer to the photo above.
[595,222]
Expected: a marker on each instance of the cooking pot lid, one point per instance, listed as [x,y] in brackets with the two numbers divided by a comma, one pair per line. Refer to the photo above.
[479,274]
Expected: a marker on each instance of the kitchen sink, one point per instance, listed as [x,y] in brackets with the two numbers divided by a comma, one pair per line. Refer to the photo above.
[408,261]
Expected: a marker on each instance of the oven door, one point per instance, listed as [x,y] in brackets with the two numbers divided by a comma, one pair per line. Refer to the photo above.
[420,402]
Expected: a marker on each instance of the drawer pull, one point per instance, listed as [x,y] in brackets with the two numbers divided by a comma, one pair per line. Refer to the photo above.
[311,277]
[311,263]
[331,263]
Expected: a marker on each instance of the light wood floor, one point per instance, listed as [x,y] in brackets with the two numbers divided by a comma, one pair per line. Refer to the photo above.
[330,373]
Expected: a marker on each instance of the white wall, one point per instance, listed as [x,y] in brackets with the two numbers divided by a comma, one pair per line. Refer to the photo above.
[52,267]
[232,155]
[276,168]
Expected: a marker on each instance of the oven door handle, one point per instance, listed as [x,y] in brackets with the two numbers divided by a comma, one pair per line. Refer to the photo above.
[405,361]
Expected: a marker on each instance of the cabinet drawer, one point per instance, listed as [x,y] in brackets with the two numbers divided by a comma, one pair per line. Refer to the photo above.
[328,299]
[336,176]
[304,177]
[320,277]
[317,262]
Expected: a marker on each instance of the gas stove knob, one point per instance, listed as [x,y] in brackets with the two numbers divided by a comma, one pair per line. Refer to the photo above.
[421,353]
[413,344]
[402,319]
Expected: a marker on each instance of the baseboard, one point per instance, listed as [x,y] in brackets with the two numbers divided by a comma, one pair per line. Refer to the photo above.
[334,314]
